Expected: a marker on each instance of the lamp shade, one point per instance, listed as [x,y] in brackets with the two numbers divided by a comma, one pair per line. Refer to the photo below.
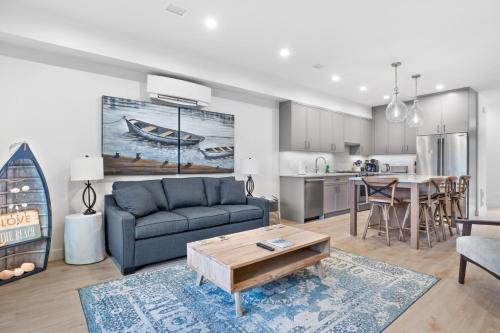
[87,168]
[249,166]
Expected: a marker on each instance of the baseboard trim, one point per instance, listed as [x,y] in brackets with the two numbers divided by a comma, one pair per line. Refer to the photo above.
[56,254]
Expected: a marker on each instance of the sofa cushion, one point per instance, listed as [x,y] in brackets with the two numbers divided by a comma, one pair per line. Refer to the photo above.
[136,200]
[184,192]
[158,224]
[203,217]
[241,213]
[482,250]
[212,189]
[232,193]
[153,186]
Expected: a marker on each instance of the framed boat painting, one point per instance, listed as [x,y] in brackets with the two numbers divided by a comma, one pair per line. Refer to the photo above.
[139,138]
[214,150]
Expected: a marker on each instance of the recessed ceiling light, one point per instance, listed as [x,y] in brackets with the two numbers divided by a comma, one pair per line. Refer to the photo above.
[439,87]
[211,23]
[335,78]
[362,88]
[284,53]
[386,97]
[177,10]
[319,66]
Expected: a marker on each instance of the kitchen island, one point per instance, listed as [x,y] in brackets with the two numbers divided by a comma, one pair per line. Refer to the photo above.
[410,183]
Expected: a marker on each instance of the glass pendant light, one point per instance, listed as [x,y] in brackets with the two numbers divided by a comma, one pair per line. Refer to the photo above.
[414,118]
[396,110]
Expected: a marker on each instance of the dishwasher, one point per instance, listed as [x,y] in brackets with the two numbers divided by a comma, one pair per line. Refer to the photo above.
[313,198]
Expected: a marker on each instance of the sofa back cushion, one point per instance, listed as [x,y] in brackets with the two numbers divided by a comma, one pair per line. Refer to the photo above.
[153,186]
[184,192]
[136,200]
[212,189]
[232,193]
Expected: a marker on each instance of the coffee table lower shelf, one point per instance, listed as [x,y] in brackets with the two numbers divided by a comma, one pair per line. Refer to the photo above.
[244,276]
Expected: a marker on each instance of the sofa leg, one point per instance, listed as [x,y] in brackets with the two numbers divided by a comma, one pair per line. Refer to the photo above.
[462,268]
[129,270]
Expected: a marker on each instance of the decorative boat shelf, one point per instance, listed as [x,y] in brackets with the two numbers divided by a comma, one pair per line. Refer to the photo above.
[23,171]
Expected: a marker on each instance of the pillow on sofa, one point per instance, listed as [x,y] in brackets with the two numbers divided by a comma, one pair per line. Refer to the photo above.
[212,188]
[136,200]
[184,192]
[232,193]
[154,186]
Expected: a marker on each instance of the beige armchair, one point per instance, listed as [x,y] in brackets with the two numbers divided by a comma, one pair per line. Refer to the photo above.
[481,251]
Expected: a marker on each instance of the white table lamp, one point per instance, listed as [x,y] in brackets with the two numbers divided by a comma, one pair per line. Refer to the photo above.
[87,169]
[249,167]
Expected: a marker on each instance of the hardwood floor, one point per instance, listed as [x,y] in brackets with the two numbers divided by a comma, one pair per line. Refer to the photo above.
[49,302]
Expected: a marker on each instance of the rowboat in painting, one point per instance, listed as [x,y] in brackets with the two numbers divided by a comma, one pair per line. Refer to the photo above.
[218,152]
[160,134]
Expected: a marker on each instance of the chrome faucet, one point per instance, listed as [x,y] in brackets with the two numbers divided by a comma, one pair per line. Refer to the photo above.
[316,169]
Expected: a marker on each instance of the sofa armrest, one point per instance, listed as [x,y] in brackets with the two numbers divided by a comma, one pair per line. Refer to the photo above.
[467,224]
[262,204]
[120,230]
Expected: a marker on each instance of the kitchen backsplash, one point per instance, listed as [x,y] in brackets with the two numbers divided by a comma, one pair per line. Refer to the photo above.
[290,161]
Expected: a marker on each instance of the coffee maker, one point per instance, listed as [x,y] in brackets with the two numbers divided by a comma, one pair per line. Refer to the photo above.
[371,165]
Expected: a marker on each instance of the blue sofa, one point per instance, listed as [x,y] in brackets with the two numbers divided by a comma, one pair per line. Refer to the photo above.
[189,209]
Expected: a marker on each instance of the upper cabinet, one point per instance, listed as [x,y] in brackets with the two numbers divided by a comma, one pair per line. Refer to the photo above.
[306,128]
[352,133]
[447,112]
[332,132]
[301,128]
[391,138]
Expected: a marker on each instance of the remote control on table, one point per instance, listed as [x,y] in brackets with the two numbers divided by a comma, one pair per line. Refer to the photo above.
[264,246]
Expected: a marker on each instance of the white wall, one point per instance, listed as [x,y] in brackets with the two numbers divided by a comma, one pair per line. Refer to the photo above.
[57,110]
[488,152]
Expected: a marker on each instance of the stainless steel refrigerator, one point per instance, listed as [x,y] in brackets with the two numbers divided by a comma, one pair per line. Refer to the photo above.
[444,155]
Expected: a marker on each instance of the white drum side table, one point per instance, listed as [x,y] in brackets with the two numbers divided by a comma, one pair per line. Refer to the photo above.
[84,239]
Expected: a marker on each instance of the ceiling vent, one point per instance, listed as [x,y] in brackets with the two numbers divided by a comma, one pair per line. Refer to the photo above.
[177,10]
[319,66]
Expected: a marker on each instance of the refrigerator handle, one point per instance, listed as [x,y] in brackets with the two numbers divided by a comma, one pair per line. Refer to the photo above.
[439,157]
[442,157]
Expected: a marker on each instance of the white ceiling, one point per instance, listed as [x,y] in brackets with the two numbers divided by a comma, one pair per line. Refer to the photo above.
[451,42]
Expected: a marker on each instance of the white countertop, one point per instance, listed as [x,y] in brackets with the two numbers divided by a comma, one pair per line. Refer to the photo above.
[321,175]
[416,179]
[337,174]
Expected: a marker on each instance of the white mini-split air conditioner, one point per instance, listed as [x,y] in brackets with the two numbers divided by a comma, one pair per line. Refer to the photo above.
[178,92]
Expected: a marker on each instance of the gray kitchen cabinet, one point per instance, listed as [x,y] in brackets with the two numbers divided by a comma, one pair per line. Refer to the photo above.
[341,196]
[391,138]
[329,197]
[380,129]
[299,127]
[332,132]
[432,115]
[335,194]
[352,134]
[365,144]
[410,140]
[396,138]
[447,112]
[313,129]
[455,111]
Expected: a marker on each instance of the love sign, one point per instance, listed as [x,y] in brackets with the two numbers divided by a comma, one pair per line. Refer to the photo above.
[19,226]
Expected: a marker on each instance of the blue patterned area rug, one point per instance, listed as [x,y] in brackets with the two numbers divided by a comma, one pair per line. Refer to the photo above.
[358,294]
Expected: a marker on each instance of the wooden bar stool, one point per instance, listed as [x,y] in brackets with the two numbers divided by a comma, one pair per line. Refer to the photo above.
[426,217]
[456,198]
[441,215]
[380,192]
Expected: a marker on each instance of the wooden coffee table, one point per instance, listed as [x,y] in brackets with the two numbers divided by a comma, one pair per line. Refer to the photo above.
[234,263]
